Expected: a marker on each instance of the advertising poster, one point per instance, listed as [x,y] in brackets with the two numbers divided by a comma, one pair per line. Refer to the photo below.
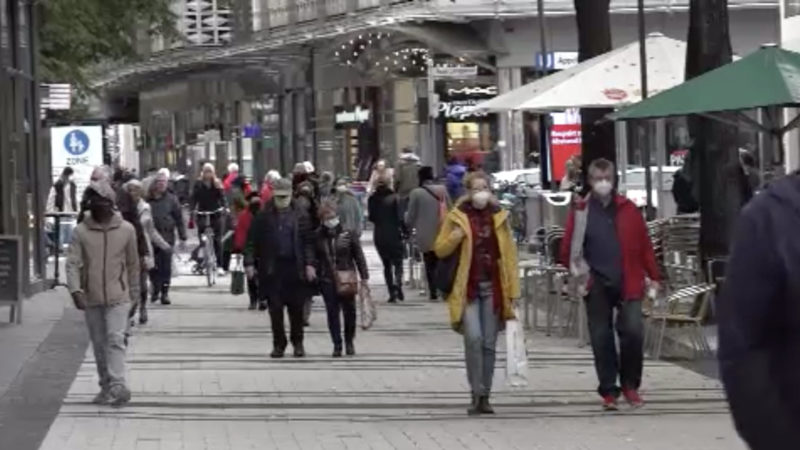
[565,140]
[79,147]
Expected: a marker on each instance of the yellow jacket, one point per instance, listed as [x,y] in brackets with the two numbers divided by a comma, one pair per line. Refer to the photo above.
[445,245]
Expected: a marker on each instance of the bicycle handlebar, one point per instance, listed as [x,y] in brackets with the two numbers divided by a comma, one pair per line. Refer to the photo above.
[211,213]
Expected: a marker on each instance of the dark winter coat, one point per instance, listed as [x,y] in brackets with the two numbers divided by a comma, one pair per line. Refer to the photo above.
[385,213]
[454,174]
[342,246]
[167,217]
[207,198]
[262,246]
[759,319]
[59,188]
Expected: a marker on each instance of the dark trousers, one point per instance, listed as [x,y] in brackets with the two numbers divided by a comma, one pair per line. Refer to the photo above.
[252,290]
[337,306]
[392,269]
[601,304]
[431,261]
[286,298]
[142,306]
[161,274]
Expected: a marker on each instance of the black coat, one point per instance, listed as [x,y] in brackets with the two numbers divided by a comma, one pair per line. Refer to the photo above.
[207,198]
[384,212]
[344,248]
[759,319]
[262,246]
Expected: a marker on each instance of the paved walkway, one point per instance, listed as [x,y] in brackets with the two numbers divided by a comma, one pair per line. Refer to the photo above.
[201,379]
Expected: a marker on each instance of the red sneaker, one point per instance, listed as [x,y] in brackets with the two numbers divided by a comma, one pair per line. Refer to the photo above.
[610,403]
[633,398]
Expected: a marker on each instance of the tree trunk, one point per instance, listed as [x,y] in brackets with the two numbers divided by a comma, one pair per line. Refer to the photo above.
[594,38]
[715,155]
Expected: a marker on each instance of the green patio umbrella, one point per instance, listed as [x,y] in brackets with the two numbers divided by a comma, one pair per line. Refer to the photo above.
[766,78]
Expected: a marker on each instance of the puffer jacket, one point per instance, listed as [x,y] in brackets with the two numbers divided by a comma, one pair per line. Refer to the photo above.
[341,249]
[103,262]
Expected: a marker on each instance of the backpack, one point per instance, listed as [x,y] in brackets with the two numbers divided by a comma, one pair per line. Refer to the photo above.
[442,204]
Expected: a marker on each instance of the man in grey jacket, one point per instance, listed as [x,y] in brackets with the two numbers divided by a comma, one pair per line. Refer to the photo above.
[426,206]
[103,278]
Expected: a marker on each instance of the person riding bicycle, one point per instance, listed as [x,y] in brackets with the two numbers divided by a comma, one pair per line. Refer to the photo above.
[208,197]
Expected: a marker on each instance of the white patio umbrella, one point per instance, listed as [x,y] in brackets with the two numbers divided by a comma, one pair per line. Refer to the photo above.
[610,80]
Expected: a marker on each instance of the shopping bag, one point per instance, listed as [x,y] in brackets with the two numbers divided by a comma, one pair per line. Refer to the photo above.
[237,276]
[369,312]
[516,354]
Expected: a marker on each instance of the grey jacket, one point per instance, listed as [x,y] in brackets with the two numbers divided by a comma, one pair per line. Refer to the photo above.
[406,177]
[423,213]
[167,217]
[350,212]
[103,262]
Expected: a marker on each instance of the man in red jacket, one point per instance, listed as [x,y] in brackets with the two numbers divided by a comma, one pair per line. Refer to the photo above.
[607,248]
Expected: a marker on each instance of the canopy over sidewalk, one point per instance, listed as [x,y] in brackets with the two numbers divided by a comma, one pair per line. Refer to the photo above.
[610,80]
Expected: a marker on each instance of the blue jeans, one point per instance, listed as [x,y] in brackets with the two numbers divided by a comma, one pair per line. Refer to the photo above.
[480,325]
[600,305]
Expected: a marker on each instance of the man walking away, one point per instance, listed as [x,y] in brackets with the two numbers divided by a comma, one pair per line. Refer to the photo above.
[168,219]
[384,211]
[608,250]
[759,319]
[103,278]
[428,204]
[406,177]
[280,249]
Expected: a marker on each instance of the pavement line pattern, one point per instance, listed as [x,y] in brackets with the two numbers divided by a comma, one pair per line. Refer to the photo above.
[202,379]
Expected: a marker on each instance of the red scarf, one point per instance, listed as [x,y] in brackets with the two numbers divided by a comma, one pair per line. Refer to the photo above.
[485,254]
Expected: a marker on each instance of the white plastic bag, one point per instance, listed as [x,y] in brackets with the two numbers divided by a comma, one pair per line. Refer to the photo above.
[516,355]
[369,311]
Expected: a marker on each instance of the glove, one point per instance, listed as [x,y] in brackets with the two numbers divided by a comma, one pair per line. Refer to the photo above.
[79,298]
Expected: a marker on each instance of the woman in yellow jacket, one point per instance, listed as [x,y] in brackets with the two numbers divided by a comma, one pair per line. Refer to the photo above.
[486,281]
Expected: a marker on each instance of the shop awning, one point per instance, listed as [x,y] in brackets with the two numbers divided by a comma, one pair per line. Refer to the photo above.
[610,80]
[768,77]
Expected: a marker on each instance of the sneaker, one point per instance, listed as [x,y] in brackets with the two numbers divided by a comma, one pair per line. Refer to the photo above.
[102,398]
[610,403]
[633,398]
[119,396]
[221,272]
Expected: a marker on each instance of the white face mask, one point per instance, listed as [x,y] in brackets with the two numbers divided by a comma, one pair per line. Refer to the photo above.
[602,188]
[341,188]
[481,199]
[332,223]
[283,202]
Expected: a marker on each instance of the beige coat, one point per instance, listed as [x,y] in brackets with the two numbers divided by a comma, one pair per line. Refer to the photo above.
[103,262]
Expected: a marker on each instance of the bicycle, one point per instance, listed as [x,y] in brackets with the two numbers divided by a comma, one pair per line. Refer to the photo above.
[209,265]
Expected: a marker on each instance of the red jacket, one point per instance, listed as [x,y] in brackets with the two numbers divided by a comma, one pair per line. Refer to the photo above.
[241,231]
[638,258]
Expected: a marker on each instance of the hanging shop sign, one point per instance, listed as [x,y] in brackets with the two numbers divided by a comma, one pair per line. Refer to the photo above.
[454,72]
[557,60]
[472,91]
[79,147]
[565,140]
[344,117]
[461,109]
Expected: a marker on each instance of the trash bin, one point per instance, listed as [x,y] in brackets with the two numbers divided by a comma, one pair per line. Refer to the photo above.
[554,208]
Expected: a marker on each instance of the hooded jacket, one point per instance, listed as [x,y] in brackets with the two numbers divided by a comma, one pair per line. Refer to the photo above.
[509,269]
[103,262]
[349,210]
[759,319]
[406,177]
[454,174]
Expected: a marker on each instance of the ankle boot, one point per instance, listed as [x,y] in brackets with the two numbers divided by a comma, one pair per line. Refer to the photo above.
[474,407]
[165,295]
[484,406]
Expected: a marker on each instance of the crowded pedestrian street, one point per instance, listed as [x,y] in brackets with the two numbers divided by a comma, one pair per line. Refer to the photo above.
[201,378]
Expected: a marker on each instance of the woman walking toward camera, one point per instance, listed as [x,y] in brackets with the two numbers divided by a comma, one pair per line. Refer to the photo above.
[341,262]
[485,282]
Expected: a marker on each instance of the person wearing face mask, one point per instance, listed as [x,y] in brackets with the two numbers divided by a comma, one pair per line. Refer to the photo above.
[280,251]
[486,281]
[240,234]
[608,250]
[103,278]
[348,208]
[339,251]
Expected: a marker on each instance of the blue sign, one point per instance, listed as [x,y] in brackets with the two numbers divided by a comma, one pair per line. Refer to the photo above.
[76,142]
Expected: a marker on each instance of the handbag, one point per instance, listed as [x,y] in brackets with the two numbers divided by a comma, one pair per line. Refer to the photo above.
[346,280]
[369,311]
[237,276]
[445,275]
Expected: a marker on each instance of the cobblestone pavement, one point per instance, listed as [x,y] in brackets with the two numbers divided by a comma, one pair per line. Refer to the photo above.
[201,379]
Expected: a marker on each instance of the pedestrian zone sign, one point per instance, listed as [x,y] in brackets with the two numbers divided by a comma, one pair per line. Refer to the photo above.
[79,147]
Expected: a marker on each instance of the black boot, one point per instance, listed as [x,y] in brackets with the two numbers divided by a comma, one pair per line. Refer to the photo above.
[143,312]
[277,353]
[484,406]
[154,297]
[349,348]
[165,295]
[474,408]
[299,351]
[399,293]
[337,350]
[262,305]
[253,306]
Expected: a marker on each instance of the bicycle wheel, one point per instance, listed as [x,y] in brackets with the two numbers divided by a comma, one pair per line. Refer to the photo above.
[211,262]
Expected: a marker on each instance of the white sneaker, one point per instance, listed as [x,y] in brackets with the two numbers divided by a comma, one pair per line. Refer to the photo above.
[221,272]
